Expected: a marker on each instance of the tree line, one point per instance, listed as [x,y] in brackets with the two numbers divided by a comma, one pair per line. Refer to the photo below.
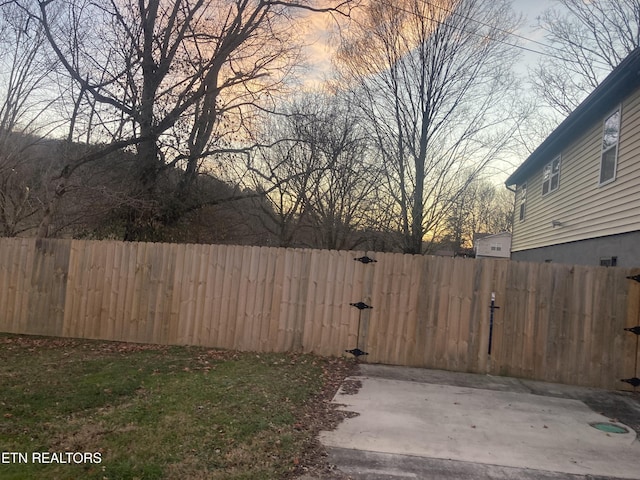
[188,120]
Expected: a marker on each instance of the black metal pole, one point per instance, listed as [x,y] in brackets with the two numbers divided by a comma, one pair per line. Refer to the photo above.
[492,307]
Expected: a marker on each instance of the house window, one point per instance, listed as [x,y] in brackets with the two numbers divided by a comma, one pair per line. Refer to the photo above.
[523,200]
[609,261]
[496,248]
[609,157]
[551,176]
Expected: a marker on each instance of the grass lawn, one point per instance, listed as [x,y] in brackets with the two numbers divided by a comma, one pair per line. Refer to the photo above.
[159,412]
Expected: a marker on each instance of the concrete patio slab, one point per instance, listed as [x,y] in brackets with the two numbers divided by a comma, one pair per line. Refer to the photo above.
[458,422]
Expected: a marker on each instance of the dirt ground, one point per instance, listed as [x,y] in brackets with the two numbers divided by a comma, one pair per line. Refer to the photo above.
[321,415]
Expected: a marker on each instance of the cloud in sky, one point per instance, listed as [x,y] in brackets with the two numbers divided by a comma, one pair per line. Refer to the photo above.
[319,32]
[320,44]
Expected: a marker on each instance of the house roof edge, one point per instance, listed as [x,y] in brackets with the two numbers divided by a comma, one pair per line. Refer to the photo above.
[619,83]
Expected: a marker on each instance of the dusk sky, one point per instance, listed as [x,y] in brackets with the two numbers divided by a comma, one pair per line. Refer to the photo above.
[320,49]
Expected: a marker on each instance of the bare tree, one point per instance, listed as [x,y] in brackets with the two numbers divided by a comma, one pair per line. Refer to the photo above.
[174,82]
[338,198]
[588,40]
[318,174]
[482,208]
[25,99]
[282,174]
[434,85]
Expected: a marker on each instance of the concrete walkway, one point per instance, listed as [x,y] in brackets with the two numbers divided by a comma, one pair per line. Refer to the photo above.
[416,423]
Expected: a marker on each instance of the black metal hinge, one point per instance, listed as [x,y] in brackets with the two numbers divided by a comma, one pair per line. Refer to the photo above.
[365,259]
[635,381]
[360,305]
[356,352]
[635,329]
[634,277]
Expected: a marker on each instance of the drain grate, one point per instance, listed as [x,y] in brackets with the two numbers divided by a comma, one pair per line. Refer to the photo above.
[609,427]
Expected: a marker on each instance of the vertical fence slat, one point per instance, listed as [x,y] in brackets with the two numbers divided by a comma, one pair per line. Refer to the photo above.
[189,284]
[221,295]
[106,320]
[7,253]
[428,311]
[157,283]
[405,309]
[250,334]
[465,328]
[236,296]
[289,296]
[382,318]
[17,251]
[6,321]
[84,291]
[266,285]
[398,289]
[208,320]
[321,298]
[214,291]
[23,267]
[618,286]
[297,317]
[69,294]
[262,306]
[415,283]
[278,306]
[97,282]
[347,315]
[336,340]
[524,352]
[201,325]
[239,319]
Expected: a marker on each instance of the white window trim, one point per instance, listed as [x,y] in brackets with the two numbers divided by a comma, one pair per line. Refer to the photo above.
[617,147]
[522,207]
[559,158]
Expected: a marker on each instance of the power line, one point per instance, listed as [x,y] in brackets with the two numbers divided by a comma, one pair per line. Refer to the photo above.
[513,35]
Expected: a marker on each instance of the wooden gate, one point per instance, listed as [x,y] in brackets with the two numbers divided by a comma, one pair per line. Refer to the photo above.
[631,360]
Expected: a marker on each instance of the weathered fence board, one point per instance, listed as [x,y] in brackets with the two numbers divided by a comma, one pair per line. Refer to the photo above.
[558,323]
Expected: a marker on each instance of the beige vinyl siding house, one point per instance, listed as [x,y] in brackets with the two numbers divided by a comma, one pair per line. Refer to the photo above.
[567,208]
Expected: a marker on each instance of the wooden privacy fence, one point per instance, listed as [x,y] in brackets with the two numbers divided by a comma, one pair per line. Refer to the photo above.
[558,323]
